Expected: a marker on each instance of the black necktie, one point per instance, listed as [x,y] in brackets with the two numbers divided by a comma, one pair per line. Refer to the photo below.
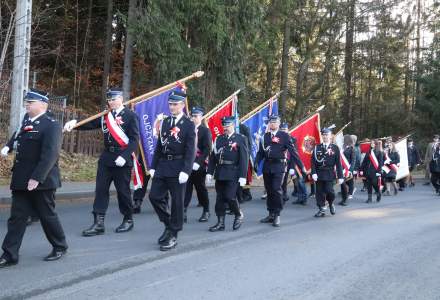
[173,122]
[114,113]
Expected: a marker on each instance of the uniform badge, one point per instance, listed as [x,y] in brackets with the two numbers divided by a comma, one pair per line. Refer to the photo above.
[330,151]
[233,146]
[118,120]
[28,128]
[275,139]
[175,132]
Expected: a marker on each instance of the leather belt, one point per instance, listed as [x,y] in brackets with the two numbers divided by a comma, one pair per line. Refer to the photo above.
[277,160]
[114,149]
[226,162]
[171,157]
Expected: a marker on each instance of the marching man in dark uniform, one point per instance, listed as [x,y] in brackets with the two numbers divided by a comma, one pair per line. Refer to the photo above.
[325,157]
[434,167]
[121,134]
[273,148]
[35,177]
[198,174]
[300,171]
[172,164]
[228,164]
[371,170]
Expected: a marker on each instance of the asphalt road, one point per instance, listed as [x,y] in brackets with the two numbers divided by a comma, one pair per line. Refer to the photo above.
[387,250]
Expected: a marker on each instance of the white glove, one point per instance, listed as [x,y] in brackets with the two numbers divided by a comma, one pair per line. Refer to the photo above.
[5,151]
[355,172]
[120,161]
[291,172]
[151,171]
[242,181]
[208,177]
[377,174]
[183,177]
[315,177]
[341,180]
[387,162]
[196,166]
[69,125]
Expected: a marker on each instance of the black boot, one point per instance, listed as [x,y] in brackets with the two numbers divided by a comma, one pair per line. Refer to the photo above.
[170,242]
[332,209]
[320,213]
[205,216]
[164,236]
[378,197]
[370,198]
[268,219]
[126,225]
[276,221]
[137,206]
[97,227]
[237,222]
[343,202]
[220,226]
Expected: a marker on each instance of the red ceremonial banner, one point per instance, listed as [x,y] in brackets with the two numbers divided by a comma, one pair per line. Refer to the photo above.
[215,120]
[365,147]
[307,135]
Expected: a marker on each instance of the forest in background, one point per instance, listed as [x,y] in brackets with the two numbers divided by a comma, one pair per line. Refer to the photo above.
[375,63]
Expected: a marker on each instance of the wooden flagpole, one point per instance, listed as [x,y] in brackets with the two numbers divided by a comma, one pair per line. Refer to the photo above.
[259,107]
[221,104]
[147,95]
[343,127]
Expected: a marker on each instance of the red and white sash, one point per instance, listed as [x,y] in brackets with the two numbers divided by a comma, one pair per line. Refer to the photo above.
[388,167]
[122,139]
[345,164]
[374,160]
[375,163]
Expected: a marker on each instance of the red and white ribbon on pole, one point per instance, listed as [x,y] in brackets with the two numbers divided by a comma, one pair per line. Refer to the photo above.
[345,164]
[122,139]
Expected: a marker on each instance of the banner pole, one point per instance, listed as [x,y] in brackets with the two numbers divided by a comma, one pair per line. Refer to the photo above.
[142,97]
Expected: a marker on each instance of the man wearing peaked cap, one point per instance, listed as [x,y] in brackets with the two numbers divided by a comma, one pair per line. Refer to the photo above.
[198,174]
[120,127]
[228,164]
[325,158]
[35,178]
[172,164]
[274,147]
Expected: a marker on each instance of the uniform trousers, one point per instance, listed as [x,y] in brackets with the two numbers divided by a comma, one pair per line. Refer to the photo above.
[120,176]
[40,203]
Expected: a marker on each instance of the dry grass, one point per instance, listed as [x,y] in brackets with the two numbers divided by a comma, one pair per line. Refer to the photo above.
[74,167]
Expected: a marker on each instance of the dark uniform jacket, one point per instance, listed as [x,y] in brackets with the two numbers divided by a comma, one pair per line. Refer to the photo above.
[394,159]
[326,161]
[37,147]
[204,145]
[350,155]
[368,168]
[176,148]
[244,130]
[129,123]
[229,158]
[434,165]
[274,152]
[413,156]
